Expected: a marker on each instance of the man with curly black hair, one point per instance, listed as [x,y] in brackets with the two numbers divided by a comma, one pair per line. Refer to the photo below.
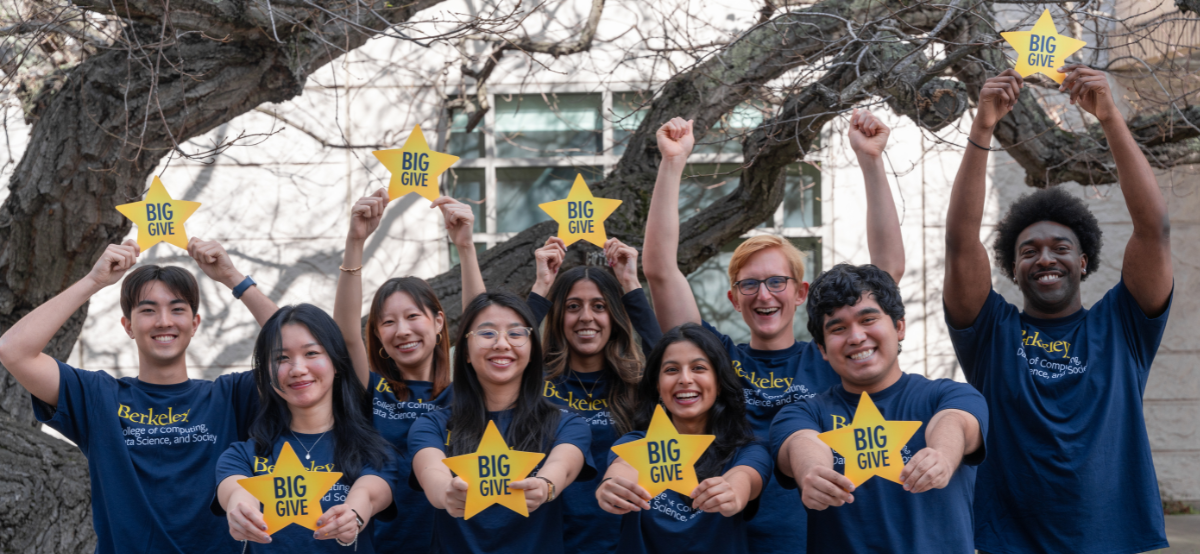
[1069,467]
[856,316]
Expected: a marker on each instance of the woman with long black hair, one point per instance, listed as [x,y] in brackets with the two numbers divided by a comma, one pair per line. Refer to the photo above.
[690,374]
[498,377]
[593,364]
[311,399]
[405,361]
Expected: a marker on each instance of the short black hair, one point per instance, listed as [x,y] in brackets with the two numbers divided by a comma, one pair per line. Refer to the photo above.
[845,285]
[1051,204]
[177,280]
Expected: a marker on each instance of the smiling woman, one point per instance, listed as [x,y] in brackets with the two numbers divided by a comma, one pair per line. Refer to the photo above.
[312,400]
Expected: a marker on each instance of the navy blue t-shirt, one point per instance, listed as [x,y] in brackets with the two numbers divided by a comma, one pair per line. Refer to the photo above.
[772,379]
[672,526]
[148,449]
[1068,429]
[589,530]
[884,517]
[498,530]
[412,529]
[240,459]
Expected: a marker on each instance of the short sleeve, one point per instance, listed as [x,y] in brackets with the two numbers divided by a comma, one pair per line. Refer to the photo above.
[429,431]
[243,398]
[77,391]
[643,319]
[390,473]
[573,430]
[725,340]
[968,341]
[1142,334]
[792,419]
[539,305]
[960,396]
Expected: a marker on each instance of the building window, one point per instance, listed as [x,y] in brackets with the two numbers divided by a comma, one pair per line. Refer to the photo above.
[528,149]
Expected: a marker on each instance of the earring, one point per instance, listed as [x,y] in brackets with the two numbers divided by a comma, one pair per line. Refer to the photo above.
[383,354]
[1085,271]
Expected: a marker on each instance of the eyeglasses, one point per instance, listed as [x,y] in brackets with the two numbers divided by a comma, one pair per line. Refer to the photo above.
[516,336]
[774,284]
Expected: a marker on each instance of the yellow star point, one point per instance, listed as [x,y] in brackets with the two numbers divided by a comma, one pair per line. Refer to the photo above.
[1042,49]
[871,445]
[665,459]
[489,471]
[159,218]
[415,168]
[580,215]
[290,493]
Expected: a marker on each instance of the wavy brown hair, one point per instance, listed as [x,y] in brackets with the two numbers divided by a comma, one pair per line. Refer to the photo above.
[623,359]
[423,295]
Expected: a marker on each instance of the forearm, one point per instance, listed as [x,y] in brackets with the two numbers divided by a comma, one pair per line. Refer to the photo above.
[1139,186]
[968,276]
[660,250]
[472,277]
[803,454]
[433,475]
[621,468]
[746,483]
[26,339]
[260,305]
[884,241]
[369,496]
[229,489]
[347,310]
[562,466]
[954,434]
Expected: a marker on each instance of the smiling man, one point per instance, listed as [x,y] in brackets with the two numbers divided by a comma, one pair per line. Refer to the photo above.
[1067,381]
[766,277]
[152,441]
[856,317]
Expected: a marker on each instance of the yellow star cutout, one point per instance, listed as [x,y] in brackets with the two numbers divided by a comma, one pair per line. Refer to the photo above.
[415,168]
[665,460]
[870,444]
[489,471]
[1042,50]
[581,216]
[159,218]
[290,493]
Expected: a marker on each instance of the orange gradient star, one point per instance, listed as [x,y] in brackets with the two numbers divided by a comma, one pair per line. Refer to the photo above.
[1042,49]
[415,168]
[489,471]
[665,459]
[580,215]
[159,218]
[290,493]
[870,444]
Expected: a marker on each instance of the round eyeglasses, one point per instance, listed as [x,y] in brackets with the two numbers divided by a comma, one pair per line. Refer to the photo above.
[516,336]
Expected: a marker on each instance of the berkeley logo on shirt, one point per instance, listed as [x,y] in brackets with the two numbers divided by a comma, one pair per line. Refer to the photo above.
[164,428]
[399,410]
[770,381]
[577,404]
[1049,359]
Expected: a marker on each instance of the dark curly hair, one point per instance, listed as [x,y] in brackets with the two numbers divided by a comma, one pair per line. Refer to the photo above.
[1052,204]
[844,285]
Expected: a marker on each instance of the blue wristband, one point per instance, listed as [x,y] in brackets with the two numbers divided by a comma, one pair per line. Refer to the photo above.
[242,287]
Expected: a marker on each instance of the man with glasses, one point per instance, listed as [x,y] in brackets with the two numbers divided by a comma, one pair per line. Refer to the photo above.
[767,284]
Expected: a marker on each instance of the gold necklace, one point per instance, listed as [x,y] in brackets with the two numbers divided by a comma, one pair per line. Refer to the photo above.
[582,386]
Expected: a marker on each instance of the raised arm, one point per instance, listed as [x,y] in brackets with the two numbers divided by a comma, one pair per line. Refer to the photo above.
[868,137]
[968,277]
[1147,266]
[460,224]
[347,304]
[673,300]
[951,434]
[215,262]
[549,259]
[810,462]
[21,346]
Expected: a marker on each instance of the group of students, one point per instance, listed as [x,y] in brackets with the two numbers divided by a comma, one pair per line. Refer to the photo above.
[1054,397]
